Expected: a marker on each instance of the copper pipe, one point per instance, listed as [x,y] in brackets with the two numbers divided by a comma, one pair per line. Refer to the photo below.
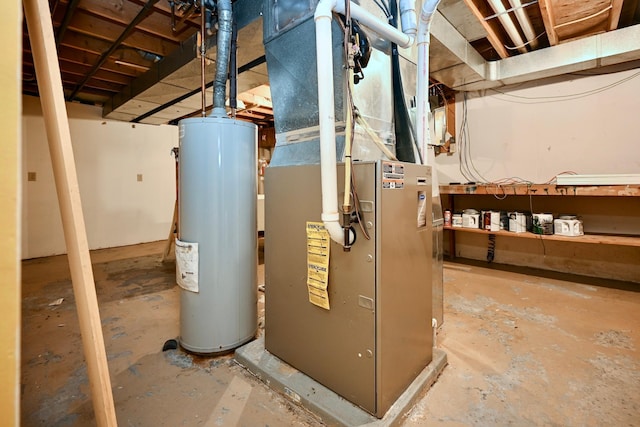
[203,51]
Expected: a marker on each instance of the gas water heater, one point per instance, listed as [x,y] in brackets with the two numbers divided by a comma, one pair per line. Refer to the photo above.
[217,210]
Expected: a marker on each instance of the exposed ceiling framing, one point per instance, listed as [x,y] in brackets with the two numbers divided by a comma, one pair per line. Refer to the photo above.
[125,55]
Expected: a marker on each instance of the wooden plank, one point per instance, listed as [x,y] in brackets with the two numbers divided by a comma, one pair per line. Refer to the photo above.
[164,8]
[87,58]
[598,239]
[101,29]
[543,190]
[573,19]
[481,10]
[546,9]
[98,46]
[614,16]
[156,23]
[74,76]
[64,169]
[11,192]
[89,94]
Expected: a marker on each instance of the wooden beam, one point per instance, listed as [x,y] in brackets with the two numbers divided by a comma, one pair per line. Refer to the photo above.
[546,9]
[98,28]
[97,46]
[614,14]
[86,50]
[87,58]
[481,10]
[122,13]
[75,76]
[10,214]
[64,170]
[165,9]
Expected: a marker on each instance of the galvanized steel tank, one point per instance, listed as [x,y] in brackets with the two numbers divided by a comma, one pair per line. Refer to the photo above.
[217,210]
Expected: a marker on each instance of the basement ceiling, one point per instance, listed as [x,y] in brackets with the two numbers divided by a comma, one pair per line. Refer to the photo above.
[141,65]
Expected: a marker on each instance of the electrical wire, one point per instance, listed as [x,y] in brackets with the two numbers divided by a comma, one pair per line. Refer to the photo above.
[466,165]
[544,248]
[561,98]
[384,7]
[525,44]
[357,207]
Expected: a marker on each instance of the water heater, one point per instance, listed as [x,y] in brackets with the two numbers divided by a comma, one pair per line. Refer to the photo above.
[217,210]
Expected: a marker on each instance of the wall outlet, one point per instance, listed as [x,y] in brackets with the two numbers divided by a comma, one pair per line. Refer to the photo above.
[31,176]
[139,177]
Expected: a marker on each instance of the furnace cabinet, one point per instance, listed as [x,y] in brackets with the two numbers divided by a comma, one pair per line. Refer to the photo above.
[377,335]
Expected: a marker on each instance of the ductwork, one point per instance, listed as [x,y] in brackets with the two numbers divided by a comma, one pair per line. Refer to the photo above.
[225,17]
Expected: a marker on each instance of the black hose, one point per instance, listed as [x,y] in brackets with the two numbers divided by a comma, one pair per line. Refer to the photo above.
[405,138]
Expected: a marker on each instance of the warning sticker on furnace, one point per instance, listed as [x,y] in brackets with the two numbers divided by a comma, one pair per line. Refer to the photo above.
[392,176]
[318,244]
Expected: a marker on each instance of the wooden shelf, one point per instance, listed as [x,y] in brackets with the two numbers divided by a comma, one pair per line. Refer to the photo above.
[542,190]
[602,239]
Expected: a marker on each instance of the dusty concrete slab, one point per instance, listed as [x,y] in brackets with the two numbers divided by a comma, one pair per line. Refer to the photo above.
[523,348]
[329,406]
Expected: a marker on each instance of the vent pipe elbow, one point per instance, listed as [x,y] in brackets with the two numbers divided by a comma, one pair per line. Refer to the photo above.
[408,17]
[371,21]
[426,17]
[225,18]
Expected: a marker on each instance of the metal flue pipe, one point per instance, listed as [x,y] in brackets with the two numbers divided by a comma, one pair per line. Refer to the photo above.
[203,52]
[225,18]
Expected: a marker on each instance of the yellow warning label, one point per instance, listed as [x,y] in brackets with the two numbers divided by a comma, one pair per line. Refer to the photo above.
[318,244]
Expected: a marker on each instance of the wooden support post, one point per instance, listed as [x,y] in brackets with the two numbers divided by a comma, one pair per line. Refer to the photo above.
[45,58]
[172,234]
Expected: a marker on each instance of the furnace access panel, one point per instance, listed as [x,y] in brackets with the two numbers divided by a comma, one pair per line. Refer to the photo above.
[376,337]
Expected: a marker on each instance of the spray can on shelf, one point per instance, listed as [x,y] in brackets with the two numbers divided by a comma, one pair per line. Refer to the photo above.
[447,218]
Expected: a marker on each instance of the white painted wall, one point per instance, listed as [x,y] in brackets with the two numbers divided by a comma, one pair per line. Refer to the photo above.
[534,131]
[109,155]
[537,130]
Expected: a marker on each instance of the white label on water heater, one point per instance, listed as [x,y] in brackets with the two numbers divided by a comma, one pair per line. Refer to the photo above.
[187,265]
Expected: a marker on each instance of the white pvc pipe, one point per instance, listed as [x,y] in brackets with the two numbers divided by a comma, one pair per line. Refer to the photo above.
[508,24]
[382,28]
[326,114]
[422,85]
[525,23]
[408,17]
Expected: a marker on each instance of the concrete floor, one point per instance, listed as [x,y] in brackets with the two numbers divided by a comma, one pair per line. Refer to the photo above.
[523,349]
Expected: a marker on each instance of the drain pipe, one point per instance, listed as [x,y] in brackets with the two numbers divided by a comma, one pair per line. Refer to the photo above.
[422,118]
[326,113]
[225,18]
